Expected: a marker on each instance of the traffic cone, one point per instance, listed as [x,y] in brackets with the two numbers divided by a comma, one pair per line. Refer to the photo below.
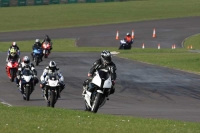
[174,46]
[158,46]
[191,47]
[132,36]
[154,33]
[143,45]
[117,35]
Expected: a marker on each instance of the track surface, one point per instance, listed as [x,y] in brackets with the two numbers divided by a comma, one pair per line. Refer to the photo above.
[142,90]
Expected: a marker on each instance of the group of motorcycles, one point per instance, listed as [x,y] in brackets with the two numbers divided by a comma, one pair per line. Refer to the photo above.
[93,100]
[27,77]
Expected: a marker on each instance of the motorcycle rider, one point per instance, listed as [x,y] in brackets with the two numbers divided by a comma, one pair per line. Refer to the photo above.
[105,62]
[129,41]
[14,45]
[48,39]
[28,65]
[13,55]
[37,45]
[51,68]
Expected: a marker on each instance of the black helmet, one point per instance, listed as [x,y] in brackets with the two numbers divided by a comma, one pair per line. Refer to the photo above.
[52,66]
[128,34]
[106,56]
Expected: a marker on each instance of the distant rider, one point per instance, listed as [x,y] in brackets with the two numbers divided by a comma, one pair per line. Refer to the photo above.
[13,56]
[37,45]
[129,41]
[51,68]
[26,64]
[105,62]
[48,39]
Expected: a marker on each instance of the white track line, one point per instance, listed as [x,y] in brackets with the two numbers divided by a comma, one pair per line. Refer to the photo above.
[5,103]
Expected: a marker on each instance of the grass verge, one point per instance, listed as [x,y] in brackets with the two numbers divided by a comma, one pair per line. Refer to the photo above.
[49,120]
[73,15]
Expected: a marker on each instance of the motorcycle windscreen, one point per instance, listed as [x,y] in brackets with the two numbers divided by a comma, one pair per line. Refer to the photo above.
[100,76]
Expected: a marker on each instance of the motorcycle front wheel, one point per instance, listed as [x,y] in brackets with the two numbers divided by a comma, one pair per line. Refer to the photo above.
[96,103]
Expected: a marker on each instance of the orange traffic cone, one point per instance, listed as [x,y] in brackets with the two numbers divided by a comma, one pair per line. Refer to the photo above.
[174,46]
[154,33]
[158,46]
[132,36]
[143,45]
[117,35]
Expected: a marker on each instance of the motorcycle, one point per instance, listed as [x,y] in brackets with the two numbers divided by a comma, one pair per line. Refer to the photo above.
[124,45]
[11,69]
[101,89]
[37,55]
[26,83]
[46,49]
[52,89]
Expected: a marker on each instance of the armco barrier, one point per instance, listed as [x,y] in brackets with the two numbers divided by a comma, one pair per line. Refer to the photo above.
[7,3]
[4,3]
[38,2]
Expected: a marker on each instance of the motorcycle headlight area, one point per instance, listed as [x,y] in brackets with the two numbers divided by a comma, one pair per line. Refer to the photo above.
[53,83]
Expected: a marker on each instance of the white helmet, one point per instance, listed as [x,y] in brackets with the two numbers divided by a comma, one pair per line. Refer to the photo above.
[14,44]
[52,66]
[37,40]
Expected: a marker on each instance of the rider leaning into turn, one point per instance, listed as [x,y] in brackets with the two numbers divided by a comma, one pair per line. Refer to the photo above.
[26,64]
[36,45]
[105,62]
[48,39]
[13,55]
[128,39]
[51,68]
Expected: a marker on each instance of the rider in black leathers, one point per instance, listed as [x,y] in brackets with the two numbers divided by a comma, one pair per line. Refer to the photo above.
[48,39]
[104,62]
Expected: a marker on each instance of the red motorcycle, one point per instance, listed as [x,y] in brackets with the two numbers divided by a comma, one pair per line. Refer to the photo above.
[11,69]
[46,46]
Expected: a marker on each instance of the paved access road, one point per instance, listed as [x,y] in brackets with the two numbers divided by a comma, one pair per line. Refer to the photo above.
[142,90]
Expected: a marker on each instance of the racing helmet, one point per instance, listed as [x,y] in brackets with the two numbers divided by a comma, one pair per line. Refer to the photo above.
[128,34]
[37,40]
[52,66]
[13,52]
[26,60]
[106,56]
[14,44]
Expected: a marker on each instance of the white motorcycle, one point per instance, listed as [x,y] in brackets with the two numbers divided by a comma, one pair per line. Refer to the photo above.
[52,89]
[26,83]
[96,98]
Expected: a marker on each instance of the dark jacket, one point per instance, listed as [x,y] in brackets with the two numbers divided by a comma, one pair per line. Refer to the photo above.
[37,45]
[99,65]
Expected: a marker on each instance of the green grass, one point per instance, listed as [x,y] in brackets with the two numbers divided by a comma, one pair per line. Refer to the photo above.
[193,41]
[48,120]
[72,15]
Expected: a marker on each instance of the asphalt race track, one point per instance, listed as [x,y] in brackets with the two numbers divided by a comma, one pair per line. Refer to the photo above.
[142,90]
